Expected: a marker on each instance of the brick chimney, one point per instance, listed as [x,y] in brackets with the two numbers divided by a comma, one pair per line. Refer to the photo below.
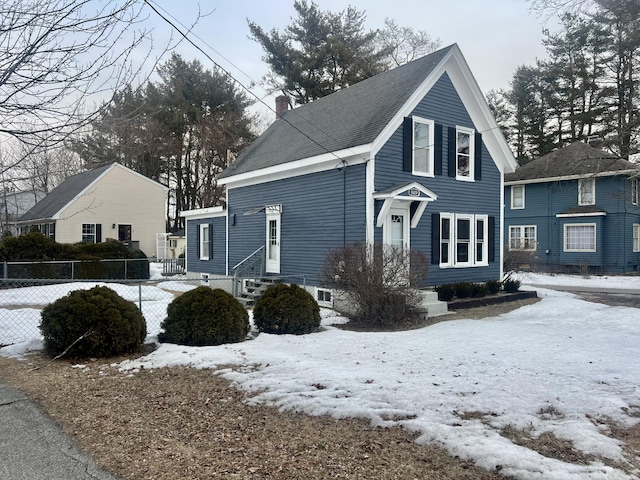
[282,105]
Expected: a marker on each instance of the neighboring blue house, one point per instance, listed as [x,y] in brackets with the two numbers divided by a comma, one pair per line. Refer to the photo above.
[410,157]
[575,210]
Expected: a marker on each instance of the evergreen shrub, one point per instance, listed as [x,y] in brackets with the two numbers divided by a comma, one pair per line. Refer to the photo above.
[463,289]
[511,286]
[494,286]
[110,324]
[445,292]
[480,290]
[284,308]
[205,316]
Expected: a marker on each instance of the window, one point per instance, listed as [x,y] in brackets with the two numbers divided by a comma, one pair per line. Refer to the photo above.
[587,191]
[517,196]
[423,147]
[204,242]
[89,232]
[522,237]
[580,237]
[463,240]
[636,237]
[464,154]
[324,296]
[635,185]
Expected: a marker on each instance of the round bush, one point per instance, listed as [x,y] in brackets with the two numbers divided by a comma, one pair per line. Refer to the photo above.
[111,324]
[286,308]
[205,316]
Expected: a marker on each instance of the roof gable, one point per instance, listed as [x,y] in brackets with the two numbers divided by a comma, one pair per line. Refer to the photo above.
[61,196]
[363,114]
[575,160]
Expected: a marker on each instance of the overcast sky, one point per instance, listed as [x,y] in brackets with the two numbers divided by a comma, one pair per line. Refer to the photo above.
[495,36]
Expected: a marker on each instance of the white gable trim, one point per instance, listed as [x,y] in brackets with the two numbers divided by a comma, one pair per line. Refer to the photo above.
[572,177]
[469,92]
[319,163]
[200,213]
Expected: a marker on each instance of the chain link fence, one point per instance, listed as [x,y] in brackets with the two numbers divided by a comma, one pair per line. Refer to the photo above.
[22,300]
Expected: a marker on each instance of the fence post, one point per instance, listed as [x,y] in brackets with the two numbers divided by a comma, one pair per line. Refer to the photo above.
[126,262]
[6,270]
[140,296]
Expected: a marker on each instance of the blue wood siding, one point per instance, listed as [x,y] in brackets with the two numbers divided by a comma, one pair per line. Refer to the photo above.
[481,197]
[614,241]
[320,211]
[216,265]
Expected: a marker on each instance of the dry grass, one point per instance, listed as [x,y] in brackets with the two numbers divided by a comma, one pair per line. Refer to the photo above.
[181,423]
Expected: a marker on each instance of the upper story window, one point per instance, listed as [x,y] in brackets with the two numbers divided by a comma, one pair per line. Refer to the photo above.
[587,191]
[423,147]
[205,240]
[635,186]
[464,153]
[517,196]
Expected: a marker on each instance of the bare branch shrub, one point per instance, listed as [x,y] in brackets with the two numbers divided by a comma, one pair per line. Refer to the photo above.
[379,282]
[517,260]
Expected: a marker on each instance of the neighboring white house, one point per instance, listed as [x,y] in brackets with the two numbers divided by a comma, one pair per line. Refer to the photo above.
[107,202]
[15,204]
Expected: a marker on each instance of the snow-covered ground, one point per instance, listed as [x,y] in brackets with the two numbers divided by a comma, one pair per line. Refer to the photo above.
[554,366]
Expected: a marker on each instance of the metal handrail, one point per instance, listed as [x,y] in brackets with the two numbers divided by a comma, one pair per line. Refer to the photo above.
[256,259]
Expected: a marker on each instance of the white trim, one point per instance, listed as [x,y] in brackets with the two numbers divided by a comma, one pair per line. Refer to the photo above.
[369,200]
[595,237]
[523,197]
[635,237]
[571,177]
[393,198]
[501,230]
[472,134]
[576,215]
[319,163]
[635,198]
[431,146]
[404,212]
[273,265]
[473,240]
[201,213]
[201,241]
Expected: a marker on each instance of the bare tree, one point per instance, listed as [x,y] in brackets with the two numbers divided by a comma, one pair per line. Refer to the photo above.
[58,55]
[404,44]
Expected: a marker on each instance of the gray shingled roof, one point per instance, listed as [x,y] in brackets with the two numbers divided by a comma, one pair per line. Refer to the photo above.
[62,194]
[574,160]
[347,118]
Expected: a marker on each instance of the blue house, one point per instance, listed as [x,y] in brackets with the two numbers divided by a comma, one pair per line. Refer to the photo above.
[411,157]
[574,210]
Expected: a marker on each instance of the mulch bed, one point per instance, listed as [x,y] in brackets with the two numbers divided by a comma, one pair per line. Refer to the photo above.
[501,297]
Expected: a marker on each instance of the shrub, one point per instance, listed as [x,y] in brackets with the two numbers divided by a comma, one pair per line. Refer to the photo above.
[494,286]
[480,290]
[511,286]
[379,283]
[205,316]
[463,289]
[106,323]
[285,309]
[446,292]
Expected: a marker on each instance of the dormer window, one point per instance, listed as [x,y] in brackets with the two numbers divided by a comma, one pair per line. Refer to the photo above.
[587,191]
[423,147]
[517,197]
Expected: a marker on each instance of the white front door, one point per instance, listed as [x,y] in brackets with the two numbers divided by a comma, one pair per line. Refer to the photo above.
[273,243]
[396,228]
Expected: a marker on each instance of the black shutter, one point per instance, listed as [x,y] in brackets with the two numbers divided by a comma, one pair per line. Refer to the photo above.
[451,141]
[210,241]
[435,238]
[98,232]
[492,239]
[478,155]
[407,145]
[437,148]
